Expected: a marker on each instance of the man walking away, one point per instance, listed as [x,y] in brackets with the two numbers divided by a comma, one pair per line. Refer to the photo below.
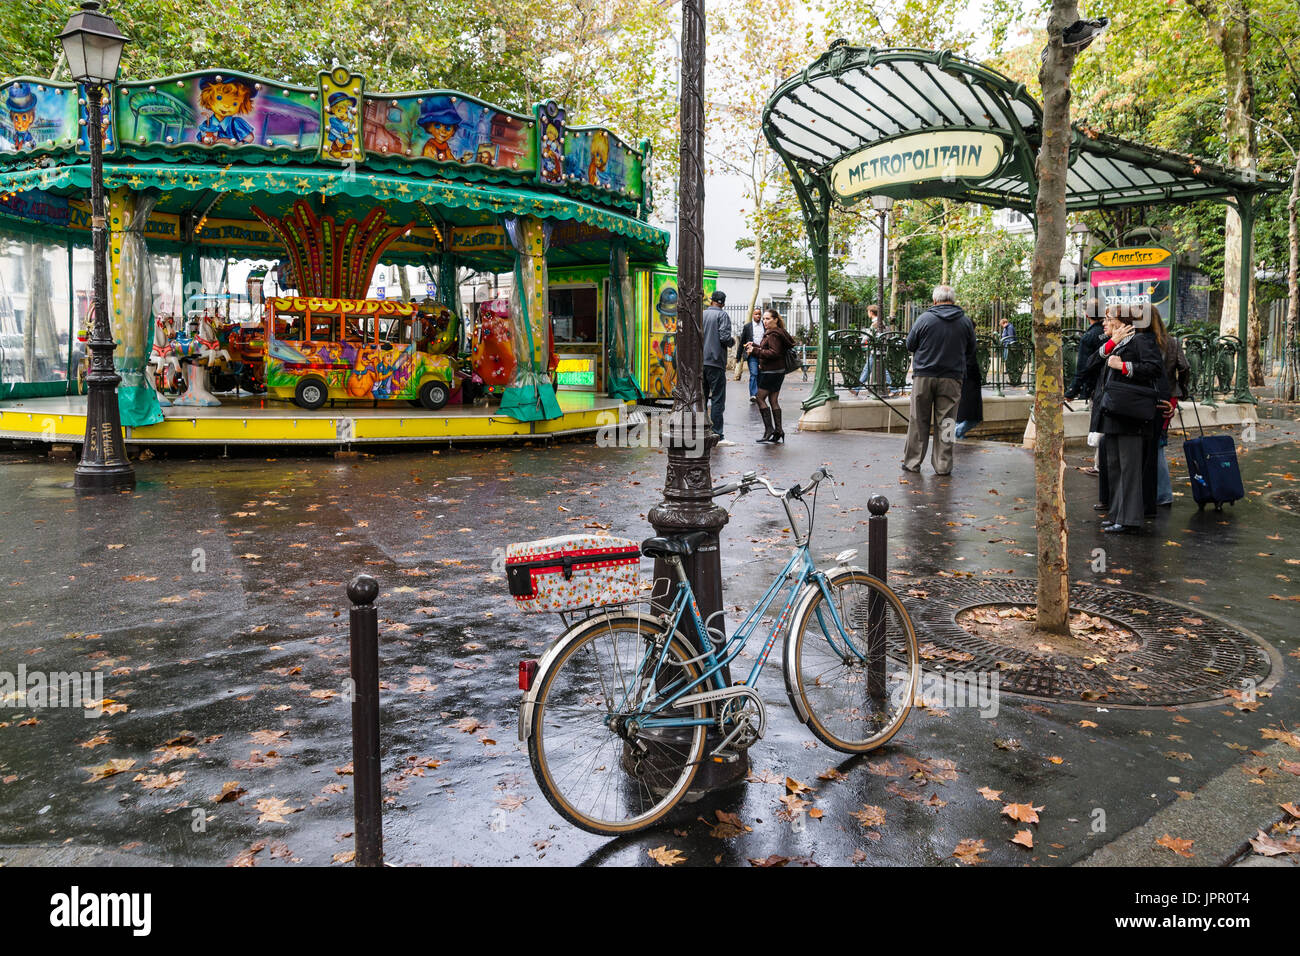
[752,332]
[943,345]
[717,340]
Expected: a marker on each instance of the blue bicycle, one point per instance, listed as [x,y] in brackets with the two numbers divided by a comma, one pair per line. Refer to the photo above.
[618,711]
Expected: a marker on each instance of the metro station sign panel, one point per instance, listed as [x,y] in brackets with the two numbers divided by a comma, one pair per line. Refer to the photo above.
[923,157]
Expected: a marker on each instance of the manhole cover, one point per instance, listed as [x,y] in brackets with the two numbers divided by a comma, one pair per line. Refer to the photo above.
[1182,656]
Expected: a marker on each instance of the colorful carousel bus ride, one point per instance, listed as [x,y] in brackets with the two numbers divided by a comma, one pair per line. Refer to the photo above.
[354,350]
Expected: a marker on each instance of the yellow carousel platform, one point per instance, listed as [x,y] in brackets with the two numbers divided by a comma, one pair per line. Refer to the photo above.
[264,421]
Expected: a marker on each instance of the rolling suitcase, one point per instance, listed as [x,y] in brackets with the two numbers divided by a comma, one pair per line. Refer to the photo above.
[1212,466]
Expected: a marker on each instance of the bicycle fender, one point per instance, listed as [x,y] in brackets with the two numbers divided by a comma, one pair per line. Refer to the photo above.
[787,655]
[547,661]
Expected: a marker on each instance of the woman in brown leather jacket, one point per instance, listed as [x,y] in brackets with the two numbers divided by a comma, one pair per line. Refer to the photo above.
[771,354]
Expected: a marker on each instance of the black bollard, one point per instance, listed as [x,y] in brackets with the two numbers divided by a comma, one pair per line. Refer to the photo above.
[877,567]
[368,835]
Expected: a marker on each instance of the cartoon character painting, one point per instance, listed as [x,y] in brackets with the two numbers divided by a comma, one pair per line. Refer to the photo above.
[21,102]
[343,125]
[441,120]
[106,124]
[227,103]
[552,118]
[599,158]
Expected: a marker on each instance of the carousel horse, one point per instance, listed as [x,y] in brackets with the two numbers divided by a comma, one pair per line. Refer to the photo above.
[199,352]
[163,363]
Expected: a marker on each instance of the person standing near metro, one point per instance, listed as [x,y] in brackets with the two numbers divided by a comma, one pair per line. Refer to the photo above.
[942,343]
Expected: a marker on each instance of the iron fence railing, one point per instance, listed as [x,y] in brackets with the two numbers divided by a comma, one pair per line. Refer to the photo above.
[860,358]
[854,349]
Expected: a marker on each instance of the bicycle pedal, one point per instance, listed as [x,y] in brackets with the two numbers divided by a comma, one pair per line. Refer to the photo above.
[725,756]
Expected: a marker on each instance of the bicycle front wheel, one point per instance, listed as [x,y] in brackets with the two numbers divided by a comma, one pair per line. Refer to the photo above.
[597,765]
[852,663]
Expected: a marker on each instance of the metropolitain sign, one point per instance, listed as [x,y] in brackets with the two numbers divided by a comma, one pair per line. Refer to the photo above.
[922,157]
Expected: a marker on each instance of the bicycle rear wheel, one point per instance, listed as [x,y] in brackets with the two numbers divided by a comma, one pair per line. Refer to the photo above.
[852,666]
[596,766]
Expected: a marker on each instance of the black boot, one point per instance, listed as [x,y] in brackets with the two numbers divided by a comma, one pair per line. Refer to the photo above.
[778,435]
[767,425]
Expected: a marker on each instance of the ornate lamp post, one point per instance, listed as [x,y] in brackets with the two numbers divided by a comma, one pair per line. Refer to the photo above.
[93,46]
[688,505]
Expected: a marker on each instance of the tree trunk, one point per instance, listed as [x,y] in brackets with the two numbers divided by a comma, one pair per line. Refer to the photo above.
[895,258]
[1290,360]
[943,239]
[1232,35]
[1049,386]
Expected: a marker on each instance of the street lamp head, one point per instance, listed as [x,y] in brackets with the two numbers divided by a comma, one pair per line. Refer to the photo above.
[882,203]
[93,45]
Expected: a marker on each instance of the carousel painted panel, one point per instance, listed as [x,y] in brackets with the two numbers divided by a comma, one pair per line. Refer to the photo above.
[218,110]
[37,115]
[448,128]
[598,158]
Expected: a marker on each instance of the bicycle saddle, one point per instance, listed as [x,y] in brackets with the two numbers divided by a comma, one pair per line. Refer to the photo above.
[682,545]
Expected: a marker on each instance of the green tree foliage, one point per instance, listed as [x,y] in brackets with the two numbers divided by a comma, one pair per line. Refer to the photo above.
[996,269]
[1156,77]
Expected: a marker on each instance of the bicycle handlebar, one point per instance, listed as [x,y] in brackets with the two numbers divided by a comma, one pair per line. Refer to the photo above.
[750,478]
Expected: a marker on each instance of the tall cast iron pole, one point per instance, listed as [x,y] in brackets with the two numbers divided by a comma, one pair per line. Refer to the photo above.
[880,272]
[687,505]
[104,465]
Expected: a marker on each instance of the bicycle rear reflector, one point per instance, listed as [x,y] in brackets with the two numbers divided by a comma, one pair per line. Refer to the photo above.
[527,671]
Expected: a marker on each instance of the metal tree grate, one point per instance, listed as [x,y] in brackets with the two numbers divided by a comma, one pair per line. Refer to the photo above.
[1184,655]
[1285,499]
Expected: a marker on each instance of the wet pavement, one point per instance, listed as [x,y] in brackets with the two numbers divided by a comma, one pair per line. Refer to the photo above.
[212,600]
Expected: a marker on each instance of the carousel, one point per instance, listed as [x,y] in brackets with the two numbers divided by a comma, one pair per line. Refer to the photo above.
[308,194]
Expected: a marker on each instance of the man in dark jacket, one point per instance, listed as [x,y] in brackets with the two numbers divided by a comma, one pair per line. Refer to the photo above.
[1089,363]
[751,332]
[942,343]
[715,344]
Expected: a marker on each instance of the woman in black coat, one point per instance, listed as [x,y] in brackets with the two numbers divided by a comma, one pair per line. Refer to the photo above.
[1134,357]
[771,354]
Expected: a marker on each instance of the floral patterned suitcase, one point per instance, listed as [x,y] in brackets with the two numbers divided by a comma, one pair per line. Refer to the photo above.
[573,572]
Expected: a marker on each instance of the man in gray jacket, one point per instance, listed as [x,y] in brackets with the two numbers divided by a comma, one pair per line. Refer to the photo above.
[715,346]
[942,343]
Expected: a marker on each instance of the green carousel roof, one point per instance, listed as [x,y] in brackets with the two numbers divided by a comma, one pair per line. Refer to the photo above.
[211,146]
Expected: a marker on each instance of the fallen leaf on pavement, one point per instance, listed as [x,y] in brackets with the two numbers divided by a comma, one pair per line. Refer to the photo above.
[794,786]
[666,857]
[968,851]
[1022,812]
[159,781]
[869,816]
[1024,838]
[273,809]
[1181,847]
[728,825]
[108,769]
[230,790]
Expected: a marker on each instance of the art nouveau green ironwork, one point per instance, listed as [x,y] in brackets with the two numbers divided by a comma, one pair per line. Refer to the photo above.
[911,123]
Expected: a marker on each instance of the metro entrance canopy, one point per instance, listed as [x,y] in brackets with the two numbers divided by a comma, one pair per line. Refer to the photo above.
[919,124]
